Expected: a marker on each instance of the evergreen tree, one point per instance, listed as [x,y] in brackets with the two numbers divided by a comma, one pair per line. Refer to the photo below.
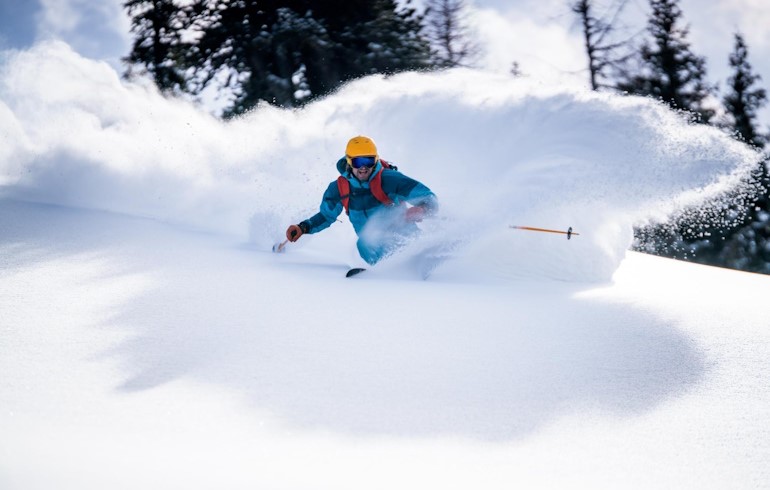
[596,32]
[749,247]
[720,232]
[743,101]
[157,49]
[734,230]
[449,33]
[287,52]
[668,69]
[379,37]
[261,54]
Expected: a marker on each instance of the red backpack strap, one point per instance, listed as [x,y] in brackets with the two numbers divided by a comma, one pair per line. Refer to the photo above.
[375,185]
[344,187]
[387,165]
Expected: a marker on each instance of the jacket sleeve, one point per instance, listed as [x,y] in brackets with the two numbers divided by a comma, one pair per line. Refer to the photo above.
[407,189]
[331,207]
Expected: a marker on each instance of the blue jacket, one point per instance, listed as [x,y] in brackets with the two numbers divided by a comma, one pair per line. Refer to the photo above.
[380,228]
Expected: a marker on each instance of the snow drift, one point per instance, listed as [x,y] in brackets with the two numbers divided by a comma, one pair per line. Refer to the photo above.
[497,151]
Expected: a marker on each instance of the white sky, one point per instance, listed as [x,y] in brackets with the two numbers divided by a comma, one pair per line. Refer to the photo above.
[541,35]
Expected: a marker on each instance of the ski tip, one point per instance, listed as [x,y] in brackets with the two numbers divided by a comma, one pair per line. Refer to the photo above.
[354,271]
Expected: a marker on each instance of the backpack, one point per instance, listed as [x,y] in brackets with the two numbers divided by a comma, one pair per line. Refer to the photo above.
[375,186]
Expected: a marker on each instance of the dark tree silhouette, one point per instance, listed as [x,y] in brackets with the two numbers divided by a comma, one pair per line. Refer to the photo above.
[284,52]
[596,39]
[157,49]
[744,99]
[667,69]
[450,34]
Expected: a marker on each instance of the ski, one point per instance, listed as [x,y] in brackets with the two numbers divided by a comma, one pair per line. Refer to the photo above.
[354,271]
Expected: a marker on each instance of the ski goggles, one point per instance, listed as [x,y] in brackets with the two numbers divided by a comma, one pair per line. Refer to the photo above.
[362,162]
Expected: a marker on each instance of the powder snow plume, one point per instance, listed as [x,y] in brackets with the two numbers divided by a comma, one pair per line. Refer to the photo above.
[497,150]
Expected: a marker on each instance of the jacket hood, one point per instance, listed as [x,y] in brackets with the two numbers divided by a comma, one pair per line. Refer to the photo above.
[342,166]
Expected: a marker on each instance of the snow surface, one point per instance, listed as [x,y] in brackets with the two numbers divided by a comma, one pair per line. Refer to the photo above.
[150,339]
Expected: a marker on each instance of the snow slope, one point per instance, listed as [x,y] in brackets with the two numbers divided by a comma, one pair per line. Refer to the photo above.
[149,339]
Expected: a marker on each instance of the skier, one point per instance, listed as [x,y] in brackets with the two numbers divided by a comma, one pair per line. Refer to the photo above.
[383,204]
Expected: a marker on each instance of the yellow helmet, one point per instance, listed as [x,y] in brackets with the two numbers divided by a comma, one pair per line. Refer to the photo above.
[361,146]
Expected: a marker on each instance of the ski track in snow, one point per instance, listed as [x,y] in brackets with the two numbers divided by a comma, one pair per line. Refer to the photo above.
[150,339]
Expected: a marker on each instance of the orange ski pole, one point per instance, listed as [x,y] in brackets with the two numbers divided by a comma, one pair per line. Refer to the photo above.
[569,231]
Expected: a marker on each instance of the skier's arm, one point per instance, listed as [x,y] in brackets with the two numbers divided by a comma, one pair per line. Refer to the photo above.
[424,202]
[331,207]
[424,198]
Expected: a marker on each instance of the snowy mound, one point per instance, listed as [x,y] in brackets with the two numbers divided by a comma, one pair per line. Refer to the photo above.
[497,151]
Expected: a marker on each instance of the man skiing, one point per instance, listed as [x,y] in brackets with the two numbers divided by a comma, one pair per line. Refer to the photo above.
[383,204]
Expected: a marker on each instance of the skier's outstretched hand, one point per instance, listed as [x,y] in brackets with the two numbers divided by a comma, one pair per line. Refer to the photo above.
[293,233]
